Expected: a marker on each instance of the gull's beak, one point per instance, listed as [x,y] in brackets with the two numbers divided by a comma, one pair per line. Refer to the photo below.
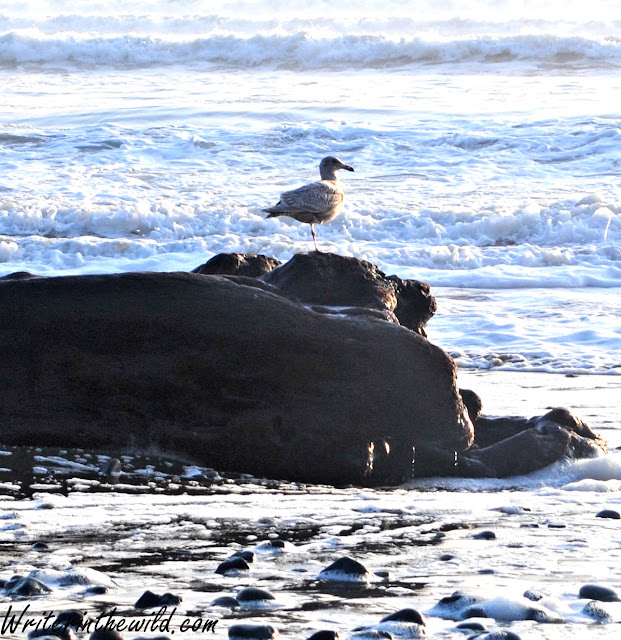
[347,167]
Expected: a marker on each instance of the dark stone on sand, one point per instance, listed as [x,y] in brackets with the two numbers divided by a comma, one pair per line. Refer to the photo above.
[277,544]
[473,403]
[26,587]
[445,557]
[324,635]
[252,632]
[71,618]
[597,592]
[474,611]
[238,264]
[346,566]
[248,556]
[226,601]
[232,565]
[253,594]
[330,280]
[226,372]
[531,594]
[148,600]
[458,598]
[405,615]
[609,513]
[490,431]
[513,446]
[471,626]
[40,546]
[484,535]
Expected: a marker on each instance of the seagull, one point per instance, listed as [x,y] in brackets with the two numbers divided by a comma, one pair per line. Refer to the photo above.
[314,203]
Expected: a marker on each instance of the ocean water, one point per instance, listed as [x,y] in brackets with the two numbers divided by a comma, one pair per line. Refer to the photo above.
[486,142]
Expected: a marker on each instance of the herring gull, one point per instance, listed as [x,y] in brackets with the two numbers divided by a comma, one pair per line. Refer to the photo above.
[314,203]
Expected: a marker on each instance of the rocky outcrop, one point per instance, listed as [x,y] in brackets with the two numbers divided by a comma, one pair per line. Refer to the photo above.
[222,371]
[238,264]
[334,284]
[512,446]
[315,370]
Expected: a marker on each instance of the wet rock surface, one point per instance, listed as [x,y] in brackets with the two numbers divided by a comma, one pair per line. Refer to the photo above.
[315,370]
[226,373]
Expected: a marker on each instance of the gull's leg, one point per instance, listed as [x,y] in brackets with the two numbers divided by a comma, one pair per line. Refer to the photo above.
[314,235]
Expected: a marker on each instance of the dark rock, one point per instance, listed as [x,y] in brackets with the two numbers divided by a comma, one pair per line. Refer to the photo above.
[223,374]
[26,587]
[252,632]
[474,611]
[148,600]
[324,635]
[71,618]
[415,304]
[484,535]
[248,556]
[253,594]
[596,592]
[489,431]
[232,565]
[225,601]
[405,615]
[505,447]
[353,285]
[471,626]
[345,568]
[609,513]
[277,544]
[332,280]
[531,594]
[238,264]
[473,403]
[40,546]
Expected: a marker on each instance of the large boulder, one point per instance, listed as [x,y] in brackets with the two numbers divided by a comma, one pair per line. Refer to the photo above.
[512,445]
[251,265]
[221,373]
[346,284]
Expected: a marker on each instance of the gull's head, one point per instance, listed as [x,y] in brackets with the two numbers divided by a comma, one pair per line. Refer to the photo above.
[329,165]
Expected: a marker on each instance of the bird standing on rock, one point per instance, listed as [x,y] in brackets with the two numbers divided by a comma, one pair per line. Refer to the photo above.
[314,203]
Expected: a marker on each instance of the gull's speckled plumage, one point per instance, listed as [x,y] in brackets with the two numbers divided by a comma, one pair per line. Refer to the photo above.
[317,202]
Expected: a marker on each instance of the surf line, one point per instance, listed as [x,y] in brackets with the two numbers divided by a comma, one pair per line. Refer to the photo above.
[159,621]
